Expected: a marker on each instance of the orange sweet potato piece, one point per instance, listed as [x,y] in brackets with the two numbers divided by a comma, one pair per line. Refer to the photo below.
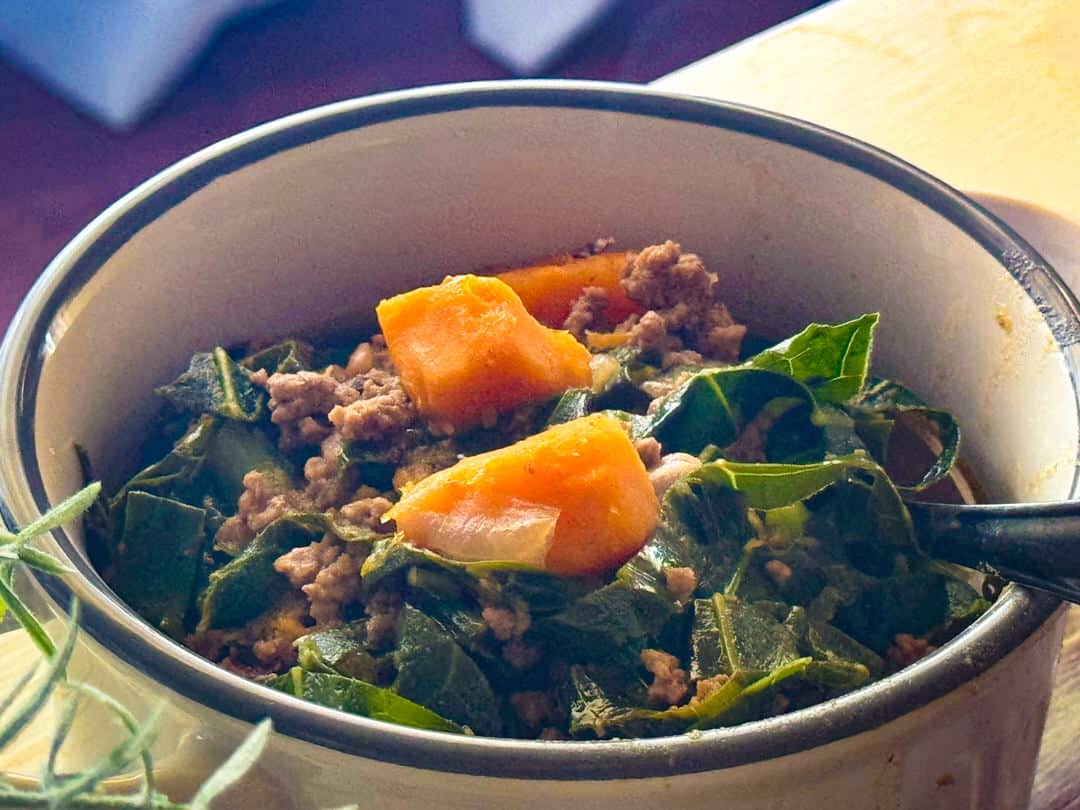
[575,499]
[468,349]
[549,290]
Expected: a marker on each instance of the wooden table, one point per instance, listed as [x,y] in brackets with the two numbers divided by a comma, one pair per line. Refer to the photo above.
[983,94]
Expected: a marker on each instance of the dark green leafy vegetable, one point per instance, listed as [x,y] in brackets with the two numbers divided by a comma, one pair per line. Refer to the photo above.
[435,672]
[248,585]
[157,558]
[343,651]
[877,411]
[831,360]
[287,357]
[215,384]
[499,582]
[714,407]
[357,697]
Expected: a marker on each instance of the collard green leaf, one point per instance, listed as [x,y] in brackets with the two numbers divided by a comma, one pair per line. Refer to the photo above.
[732,637]
[158,557]
[357,697]
[177,474]
[702,526]
[343,651]
[882,406]
[831,360]
[215,384]
[606,704]
[248,585]
[914,603]
[714,407]
[232,451]
[435,672]
[826,643]
[501,582]
[573,404]
[287,357]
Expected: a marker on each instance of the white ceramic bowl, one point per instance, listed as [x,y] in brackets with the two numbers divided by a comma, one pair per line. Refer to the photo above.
[314,217]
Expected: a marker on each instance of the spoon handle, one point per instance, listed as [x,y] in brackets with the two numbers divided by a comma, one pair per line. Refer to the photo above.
[1036,544]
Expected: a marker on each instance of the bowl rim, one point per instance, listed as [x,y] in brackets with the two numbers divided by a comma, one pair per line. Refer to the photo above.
[1018,614]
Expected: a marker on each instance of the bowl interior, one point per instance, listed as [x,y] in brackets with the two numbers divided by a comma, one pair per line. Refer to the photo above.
[318,233]
[309,222]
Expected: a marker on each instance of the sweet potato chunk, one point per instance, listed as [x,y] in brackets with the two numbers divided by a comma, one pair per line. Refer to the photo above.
[468,349]
[549,290]
[574,499]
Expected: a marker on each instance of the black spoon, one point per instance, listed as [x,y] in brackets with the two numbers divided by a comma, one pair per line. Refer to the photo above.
[1035,544]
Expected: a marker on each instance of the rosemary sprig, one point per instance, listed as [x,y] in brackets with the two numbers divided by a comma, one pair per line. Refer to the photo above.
[49,677]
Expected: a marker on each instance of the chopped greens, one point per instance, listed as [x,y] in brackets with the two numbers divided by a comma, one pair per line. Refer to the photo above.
[780,566]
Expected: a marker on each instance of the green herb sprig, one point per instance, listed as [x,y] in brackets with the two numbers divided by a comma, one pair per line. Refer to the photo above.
[48,677]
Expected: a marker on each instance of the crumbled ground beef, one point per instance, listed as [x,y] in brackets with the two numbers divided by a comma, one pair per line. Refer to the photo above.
[303,395]
[327,572]
[907,649]
[779,572]
[420,462]
[681,582]
[381,409]
[683,310]
[706,686]
[649,450]
[533,708]
[382,610]
[263,646]
[275,635]
[507,624]
[586,310]
[520,655]
[670,683]
[670,469]
[366,511]
[265,498]
[752,441]
[327,485]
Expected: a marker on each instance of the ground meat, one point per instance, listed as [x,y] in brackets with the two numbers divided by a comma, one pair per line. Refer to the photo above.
[420,462]
[533,708]
[276,633]
[753,440]
[507,624]
[327,484]
[305,393]
[520,655]
[778,572]
[334,587]
[265,498]
[585,311]
[650,334]
[382,610]
[907,649]
[670,683]
[671,468]
[380,408]
[650,451]
[706,686]
[681,582]
[366,512]
[683,313]
[327,572]
[263,646]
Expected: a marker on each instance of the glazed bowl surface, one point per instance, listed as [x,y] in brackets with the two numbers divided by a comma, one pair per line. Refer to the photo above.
[309,221]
